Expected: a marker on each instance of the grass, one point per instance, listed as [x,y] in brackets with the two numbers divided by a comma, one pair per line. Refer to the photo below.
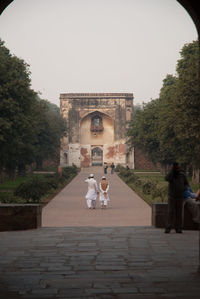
[8,187]
[9,184]
[159,186]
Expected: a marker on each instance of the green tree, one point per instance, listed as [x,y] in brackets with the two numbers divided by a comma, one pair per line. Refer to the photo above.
[168,129]
[30,128]
[16,99]
[50,127]
[186,107]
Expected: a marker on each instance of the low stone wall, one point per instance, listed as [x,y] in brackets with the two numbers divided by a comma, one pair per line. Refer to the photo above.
[20,216]
[159,217]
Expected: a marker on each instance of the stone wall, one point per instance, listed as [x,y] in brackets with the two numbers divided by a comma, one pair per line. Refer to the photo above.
[159,217]
[20,216]
[115,110]
[142,162]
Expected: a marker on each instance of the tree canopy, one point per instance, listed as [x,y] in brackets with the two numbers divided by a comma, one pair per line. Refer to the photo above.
[168,128]
[29,127]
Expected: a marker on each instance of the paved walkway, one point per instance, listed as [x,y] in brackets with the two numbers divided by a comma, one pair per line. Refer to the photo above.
[100,262]
[69,208]
[98,254]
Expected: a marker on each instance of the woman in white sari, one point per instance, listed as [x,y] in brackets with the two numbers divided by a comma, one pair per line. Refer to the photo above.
[92,192]
[104,187]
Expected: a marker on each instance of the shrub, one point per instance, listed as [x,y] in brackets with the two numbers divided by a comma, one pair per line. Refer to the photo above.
[8,197]
[119,168]
[32,190]
[69,171]
[160,192]
[138,182]
[52,180]
[148,187]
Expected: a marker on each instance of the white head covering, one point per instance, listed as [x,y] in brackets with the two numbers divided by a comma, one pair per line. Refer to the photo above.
[91,175]
[103,177]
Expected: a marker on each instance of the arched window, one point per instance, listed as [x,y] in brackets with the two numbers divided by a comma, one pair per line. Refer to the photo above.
[96,123]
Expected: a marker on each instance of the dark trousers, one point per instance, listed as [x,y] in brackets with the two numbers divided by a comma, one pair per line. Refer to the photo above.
[174,217]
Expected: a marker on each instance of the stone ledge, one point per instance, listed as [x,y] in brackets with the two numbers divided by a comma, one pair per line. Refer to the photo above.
[20,216]
[159,217]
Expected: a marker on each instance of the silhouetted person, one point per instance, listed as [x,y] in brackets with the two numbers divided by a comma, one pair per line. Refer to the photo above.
[177,184]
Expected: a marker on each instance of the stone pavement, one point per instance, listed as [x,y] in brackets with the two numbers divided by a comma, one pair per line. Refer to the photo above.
[69,208]
[99,262]
[81,253]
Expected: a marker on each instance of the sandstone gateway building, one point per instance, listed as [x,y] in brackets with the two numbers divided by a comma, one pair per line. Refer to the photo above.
[97,124]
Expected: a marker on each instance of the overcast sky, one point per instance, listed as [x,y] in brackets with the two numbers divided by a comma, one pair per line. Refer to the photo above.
[97,45]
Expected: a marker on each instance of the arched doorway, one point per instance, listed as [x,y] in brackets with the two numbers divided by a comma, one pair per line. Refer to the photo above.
[96,134]
[97,155]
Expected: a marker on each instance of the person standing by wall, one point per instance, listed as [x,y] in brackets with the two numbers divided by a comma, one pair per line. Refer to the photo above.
[92,192]
[177,184]
[112,166]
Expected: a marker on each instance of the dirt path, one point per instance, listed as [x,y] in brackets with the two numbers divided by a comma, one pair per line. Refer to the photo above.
[69,208]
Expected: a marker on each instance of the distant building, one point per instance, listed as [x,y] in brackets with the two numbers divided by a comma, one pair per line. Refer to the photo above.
[97,124]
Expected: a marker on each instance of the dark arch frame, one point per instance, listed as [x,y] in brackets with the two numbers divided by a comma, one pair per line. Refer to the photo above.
[191,6]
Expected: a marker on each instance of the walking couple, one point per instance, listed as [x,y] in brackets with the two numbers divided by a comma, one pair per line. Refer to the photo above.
[93,191]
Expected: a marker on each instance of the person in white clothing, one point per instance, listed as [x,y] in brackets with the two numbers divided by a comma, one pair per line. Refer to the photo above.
[92,192]
[104,187]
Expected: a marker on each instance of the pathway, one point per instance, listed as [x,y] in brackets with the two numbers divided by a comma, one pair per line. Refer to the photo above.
[69,208]
[95,254]
[100,262]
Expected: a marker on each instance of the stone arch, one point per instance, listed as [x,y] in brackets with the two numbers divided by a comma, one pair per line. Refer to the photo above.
[105,132]
[84,114]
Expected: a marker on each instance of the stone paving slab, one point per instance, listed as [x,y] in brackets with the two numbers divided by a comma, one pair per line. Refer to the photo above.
[69,208]
[99,262]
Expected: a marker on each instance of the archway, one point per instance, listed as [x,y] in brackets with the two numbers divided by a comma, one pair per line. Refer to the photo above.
[97,155]
[96,136]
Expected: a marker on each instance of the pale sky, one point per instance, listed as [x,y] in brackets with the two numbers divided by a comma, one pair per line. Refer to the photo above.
[86,46]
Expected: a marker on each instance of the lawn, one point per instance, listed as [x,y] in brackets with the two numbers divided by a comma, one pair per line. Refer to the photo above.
[34,188]
[9,184]
[151,187]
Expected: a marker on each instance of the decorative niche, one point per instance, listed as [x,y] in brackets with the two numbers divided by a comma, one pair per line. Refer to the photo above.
[96,123]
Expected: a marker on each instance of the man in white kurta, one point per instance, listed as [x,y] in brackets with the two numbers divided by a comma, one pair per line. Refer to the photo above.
[104,187]
[92,192]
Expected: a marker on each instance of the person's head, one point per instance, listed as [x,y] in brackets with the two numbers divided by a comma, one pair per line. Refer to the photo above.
[176,166]
[91,176]
[103,178]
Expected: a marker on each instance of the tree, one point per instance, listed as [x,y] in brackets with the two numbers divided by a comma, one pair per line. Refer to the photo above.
[50,127]
[145,131]
[168,129]
[187,107]
[30,128]
[16,100]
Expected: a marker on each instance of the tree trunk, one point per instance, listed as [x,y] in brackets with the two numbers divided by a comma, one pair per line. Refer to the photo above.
[22,170]
[195,176]
[39,163]
[1,175]
[11,174]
